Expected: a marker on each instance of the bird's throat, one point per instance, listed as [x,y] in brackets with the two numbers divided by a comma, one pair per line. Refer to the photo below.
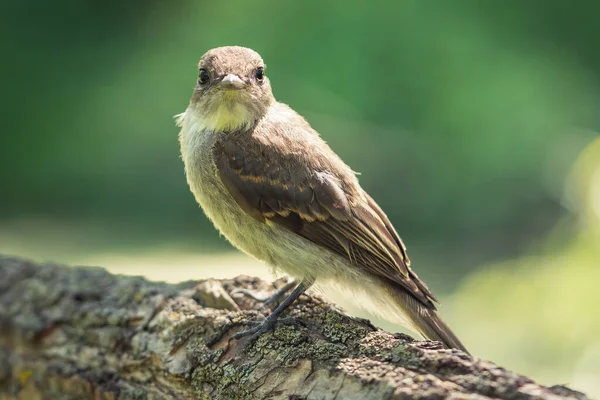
[226,117]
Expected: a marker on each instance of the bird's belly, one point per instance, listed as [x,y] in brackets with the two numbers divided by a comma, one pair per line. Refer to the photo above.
[267,241]
[231,221]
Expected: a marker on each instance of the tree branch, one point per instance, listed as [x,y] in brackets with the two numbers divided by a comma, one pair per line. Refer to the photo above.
[77,333]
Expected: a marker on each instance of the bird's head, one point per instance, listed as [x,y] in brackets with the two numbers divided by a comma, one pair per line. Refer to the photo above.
[232,91]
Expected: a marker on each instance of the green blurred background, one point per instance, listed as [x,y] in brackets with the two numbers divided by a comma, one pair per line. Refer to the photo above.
[474,125]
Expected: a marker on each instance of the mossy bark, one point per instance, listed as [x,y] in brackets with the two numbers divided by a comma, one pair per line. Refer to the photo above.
[78,333]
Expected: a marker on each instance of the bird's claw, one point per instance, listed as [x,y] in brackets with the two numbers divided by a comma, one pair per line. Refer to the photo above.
[264,326]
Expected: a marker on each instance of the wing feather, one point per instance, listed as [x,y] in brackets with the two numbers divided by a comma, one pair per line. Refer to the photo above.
[318,200]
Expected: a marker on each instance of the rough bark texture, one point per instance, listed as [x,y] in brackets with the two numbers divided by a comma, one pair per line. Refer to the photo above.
[78,333]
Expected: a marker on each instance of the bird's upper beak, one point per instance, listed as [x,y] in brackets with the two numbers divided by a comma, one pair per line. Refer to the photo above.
[232,81]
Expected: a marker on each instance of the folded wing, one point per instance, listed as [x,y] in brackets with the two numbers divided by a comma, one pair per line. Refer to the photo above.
[318,200]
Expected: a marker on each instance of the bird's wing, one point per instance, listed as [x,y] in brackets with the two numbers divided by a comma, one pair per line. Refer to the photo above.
[318,200]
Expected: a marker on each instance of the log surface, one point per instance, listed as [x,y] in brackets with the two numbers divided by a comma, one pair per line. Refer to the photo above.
[81,332]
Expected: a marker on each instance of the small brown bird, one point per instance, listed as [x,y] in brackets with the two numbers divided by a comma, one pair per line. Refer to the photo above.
[275,190]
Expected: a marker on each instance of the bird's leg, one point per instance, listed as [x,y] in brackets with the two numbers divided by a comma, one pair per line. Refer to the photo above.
[273,318]
[274,298]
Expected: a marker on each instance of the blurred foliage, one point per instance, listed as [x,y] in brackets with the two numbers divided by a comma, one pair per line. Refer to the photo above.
[463,117]
[539,312]
[449,110]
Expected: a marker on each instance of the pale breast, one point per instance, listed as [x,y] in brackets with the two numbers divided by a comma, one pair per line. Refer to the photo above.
[269,242]
[218,205]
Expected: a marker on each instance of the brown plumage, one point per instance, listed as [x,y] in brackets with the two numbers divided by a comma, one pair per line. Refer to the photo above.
[272,177]
[280,172]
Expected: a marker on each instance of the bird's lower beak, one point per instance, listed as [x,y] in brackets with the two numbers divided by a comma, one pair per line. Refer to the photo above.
[232,81]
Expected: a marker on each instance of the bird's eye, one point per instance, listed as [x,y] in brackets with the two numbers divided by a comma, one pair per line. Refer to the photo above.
[260,73]
[203,76]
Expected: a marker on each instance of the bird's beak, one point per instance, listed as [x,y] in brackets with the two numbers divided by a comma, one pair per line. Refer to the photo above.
[232,81]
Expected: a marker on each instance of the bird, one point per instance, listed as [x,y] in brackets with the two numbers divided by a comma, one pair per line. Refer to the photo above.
[277,191]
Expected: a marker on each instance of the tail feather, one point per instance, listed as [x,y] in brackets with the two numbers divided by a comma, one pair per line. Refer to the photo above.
[432,327]
[426,320]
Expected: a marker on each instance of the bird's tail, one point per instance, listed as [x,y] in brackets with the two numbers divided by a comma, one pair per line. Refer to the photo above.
[425,319]
[432,327]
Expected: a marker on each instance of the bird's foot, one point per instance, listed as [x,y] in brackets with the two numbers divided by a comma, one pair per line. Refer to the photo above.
[269,300]
[265,326]
[273,318]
